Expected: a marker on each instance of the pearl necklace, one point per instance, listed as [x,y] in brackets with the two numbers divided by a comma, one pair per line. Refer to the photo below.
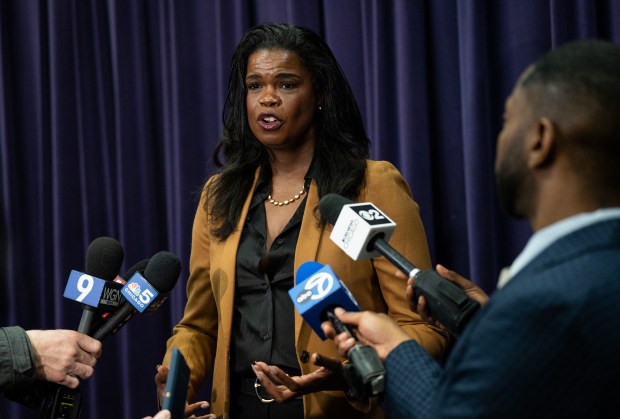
[286,201]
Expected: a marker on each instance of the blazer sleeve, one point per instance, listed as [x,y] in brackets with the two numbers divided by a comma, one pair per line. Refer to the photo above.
[386,188]
[196,334]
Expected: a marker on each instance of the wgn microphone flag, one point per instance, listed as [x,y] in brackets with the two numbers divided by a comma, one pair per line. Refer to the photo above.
[104,258]
[317,293]
[111,299]
[144,293]
[361,230]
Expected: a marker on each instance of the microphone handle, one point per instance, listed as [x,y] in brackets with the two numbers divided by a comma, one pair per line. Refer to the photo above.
[447,302]
[337,323]
[365,374]
[115,322]
[379,244]
[87,319]
[62,402]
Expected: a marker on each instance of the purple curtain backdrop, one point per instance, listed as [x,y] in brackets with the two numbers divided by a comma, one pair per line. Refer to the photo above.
[109,112]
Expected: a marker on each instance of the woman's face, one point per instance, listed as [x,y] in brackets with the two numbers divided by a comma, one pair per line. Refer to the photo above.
[280,100]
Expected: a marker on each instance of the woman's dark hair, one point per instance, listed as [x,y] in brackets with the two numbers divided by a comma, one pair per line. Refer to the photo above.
[342,145]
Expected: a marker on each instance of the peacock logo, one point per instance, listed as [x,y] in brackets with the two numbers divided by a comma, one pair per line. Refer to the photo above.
[134,287]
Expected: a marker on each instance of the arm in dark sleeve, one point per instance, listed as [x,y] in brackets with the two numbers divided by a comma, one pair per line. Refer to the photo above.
[509,362]
[412,378]
[17,368]
[16,363]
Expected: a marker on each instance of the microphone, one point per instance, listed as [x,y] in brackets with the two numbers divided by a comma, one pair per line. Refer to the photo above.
[317,293]
[144,293]
[104,258]
[361,230]
[111,296]
[139,266]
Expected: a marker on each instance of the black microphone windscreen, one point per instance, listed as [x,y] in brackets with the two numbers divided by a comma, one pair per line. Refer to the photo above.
[137,267]
[104,258]
[331,205]
[162,271]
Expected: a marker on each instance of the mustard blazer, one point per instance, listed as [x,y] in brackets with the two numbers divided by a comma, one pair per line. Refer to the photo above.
[204,333]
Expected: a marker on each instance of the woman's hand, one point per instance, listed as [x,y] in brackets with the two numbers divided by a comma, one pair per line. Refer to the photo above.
[190,409]
[283,387]
[160,383]
[165,414]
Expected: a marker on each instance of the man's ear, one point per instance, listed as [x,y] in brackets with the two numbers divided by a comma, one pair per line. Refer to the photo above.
[541,146]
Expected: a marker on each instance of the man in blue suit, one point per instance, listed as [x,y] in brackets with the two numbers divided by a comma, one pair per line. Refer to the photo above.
[547,343]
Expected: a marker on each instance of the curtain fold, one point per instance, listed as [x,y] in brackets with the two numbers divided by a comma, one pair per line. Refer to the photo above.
[476,74]
[110,110]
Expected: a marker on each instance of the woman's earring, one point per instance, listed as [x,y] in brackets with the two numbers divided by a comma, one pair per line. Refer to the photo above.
[320,108]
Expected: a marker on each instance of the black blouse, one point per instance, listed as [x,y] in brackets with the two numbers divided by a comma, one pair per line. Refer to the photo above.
[263,321]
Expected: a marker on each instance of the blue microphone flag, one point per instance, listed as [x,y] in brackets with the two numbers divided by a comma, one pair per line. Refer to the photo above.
[319,289]
[139,292]
[84,288]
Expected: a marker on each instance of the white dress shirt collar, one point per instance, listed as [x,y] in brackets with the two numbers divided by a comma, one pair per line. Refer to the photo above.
[543,238]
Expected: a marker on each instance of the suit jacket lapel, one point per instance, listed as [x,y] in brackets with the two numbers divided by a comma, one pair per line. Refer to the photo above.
[229,261]
[308,245]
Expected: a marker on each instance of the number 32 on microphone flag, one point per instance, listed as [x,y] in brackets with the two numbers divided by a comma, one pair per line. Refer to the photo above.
[356,225]
[84,288]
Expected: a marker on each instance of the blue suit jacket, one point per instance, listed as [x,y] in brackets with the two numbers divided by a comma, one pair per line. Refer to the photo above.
[546,345]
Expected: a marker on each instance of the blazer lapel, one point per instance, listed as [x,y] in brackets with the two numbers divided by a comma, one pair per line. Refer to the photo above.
[308,244]
[229,261]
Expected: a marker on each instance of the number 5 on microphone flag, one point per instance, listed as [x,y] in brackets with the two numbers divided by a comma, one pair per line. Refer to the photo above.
[139,292]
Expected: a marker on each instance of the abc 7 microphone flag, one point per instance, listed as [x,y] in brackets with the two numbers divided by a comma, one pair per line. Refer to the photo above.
[315,297]
[319,291]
